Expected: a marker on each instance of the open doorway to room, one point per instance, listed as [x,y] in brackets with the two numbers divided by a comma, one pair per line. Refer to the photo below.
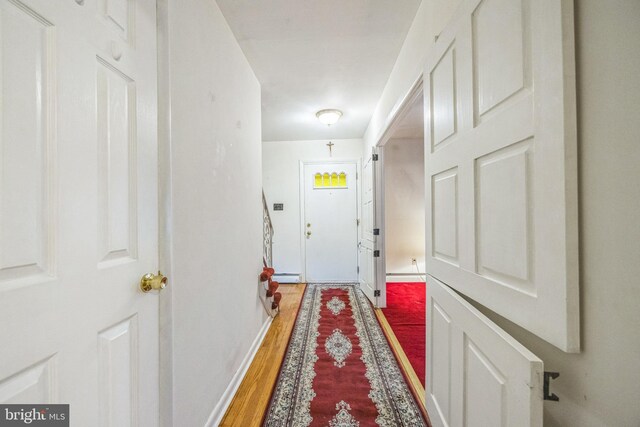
[403,232]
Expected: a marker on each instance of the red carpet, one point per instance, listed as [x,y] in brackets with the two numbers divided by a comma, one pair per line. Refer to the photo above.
[339,370]
[406,313]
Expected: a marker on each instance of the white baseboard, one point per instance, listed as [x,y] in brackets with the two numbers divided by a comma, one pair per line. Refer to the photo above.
[395,278]
[223,404]
[286,278]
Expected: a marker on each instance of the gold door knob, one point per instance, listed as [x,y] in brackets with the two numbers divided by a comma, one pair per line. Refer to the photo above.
[151,282]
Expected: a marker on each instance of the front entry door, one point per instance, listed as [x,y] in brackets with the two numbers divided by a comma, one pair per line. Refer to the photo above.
[330,229]
[78,208]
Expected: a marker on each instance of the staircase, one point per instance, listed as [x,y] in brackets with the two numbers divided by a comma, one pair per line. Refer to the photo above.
[270,298]
[267,234]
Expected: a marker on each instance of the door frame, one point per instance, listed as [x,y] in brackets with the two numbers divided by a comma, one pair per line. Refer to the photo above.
[395,117]
[303,245]
[165,229]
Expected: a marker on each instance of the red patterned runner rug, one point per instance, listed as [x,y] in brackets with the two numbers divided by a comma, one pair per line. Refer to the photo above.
[339,370]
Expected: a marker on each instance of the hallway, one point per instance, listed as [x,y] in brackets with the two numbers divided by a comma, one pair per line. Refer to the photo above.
[157,155]
[251,401]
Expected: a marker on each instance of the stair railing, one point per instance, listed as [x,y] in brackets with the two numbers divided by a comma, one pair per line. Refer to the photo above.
[267,234]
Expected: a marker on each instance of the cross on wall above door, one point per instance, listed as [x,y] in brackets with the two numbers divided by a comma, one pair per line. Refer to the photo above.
[330,145]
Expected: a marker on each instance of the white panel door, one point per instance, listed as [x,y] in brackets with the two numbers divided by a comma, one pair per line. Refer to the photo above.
[367,244]
[330,229]
[500,131]
[78,208]
[477,375]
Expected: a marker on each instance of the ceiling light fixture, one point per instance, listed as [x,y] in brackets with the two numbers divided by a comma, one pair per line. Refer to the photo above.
[329,117]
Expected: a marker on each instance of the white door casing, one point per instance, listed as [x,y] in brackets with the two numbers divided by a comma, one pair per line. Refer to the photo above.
[377,178]
[78,208]
[477,375]
[500,131]
[368,264]
[330,227]
[379,224]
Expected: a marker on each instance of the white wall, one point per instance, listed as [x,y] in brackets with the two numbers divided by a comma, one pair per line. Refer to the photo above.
[404,205]
[601,385]
[214,311]
[281,181]
[431,18]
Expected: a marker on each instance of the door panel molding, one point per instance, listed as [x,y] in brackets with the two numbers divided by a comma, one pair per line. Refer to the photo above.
[27,147]
[506,123]
[477,374]
[78,154]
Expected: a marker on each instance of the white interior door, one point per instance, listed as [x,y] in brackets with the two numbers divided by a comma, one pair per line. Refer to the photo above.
[330,228]
[477,375]
[78,208]
[500,132]
[367,244]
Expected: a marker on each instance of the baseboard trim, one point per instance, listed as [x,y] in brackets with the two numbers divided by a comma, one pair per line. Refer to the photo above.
[404,277]
[221,408]
[287,277]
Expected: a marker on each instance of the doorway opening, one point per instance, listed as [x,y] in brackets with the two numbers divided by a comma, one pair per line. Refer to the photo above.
[402,200]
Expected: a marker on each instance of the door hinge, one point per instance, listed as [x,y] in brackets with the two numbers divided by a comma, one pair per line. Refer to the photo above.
[376,253]
[548,376]
[376,231]
[374,157]
[357,221]
[358,269]
[376,293]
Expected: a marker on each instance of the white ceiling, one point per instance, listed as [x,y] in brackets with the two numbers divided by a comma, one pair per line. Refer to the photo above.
[316,54]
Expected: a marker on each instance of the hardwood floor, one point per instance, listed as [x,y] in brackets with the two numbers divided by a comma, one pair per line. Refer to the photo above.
[252,399]
[414,382]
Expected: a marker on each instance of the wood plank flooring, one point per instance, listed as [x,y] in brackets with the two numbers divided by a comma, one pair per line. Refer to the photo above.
[252,399]
[414,382]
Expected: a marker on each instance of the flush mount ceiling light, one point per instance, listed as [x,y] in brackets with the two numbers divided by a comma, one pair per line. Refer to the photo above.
[329,117]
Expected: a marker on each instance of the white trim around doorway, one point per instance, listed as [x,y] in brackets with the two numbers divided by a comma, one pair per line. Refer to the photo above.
[399,111]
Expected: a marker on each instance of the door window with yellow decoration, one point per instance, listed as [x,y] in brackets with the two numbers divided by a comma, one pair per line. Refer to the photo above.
[330,180]
[329,226]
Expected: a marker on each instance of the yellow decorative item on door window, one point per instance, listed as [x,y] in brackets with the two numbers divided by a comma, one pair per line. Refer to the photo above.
[330,180]
[343,180]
